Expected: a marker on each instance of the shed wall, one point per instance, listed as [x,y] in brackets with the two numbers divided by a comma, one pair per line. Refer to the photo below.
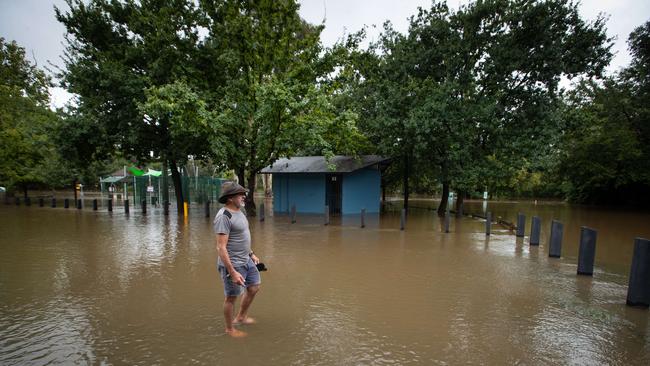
[306,191]
[361,189]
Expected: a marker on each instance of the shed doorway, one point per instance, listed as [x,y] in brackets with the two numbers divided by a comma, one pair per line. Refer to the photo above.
[333,196]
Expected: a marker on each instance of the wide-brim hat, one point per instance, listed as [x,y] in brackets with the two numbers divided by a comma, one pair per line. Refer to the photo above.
[230,189]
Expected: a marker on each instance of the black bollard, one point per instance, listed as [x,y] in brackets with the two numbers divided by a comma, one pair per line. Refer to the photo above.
[459,213]
[126,207]
[402,221]
[363,218]
[79,204]
[166,207]
[535,227]
[521,225]
[144,207]
[66,203]
[207,208]
[262,212]
[41,202]
[555,244]
[17,201]
[28,201]
[53,202]
[95,204]
[327,215]
[587,253]
[638,290]
[293,214]
[110,205]
[488,223]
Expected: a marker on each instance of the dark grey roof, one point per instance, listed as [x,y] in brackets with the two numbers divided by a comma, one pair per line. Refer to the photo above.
[317,164]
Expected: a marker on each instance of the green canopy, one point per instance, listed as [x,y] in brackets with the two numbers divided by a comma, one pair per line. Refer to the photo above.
[154,173]
[135,171]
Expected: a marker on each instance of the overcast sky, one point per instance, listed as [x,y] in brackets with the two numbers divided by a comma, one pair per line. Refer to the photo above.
[31,23]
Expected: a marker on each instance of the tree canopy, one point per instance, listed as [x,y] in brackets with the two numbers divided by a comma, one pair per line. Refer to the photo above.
[472,90]
[25,119]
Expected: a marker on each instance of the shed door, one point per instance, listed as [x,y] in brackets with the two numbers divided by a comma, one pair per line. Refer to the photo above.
[333,194]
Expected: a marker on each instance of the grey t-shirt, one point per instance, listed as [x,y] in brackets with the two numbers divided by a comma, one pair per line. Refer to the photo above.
[239,236]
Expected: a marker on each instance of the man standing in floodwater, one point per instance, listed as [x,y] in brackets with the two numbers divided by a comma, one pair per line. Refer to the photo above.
[236,262]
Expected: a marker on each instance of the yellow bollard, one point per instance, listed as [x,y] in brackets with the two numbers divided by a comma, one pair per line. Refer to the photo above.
[185,209]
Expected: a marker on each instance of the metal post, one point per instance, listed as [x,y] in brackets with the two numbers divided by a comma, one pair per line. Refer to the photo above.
[66,203]
[262,212]
[293,214]
[126,206]
[555,244]
[363,218]
[17,200]
[166,207]
[488,223]
[638,290]
[79,204]
[41,202]
[535,227]
[521,225]
[207,208]
[110,205]
[95,204]
[402,221]
[53,202]
[587,253]
[327,215]
[28,201]
[144,206]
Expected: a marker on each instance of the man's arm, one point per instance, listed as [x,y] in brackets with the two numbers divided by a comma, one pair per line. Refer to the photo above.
[222,241]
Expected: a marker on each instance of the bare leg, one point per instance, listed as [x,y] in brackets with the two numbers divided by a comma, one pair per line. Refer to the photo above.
[247,300]
[228,307]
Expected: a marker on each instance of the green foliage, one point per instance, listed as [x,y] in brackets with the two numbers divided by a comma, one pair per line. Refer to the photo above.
[474,90]
[116,52]
[605,151]
[25,146]
[271,103]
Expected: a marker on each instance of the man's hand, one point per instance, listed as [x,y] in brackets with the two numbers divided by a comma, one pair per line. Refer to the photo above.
[255,259]
[237,278]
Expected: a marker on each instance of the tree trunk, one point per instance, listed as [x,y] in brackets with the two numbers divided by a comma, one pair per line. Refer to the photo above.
[178,186]
[267,179]
[459,203]
[444,200]
[251,210]
[406,183]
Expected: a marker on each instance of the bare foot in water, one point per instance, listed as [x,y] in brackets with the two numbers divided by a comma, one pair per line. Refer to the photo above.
[236,333]
[245,321]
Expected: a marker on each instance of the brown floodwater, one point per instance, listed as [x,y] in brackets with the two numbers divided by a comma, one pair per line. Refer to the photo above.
[85,287]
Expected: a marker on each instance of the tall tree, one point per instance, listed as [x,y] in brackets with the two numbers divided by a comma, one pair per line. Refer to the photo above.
[116,51]
[25,119]
[467,88]
[272,104]
[605,152]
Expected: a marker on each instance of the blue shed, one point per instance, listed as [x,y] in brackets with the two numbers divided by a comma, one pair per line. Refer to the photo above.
[347,184]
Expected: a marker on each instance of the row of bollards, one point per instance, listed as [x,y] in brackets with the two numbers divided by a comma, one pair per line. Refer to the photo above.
[639,281]
[79,204]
